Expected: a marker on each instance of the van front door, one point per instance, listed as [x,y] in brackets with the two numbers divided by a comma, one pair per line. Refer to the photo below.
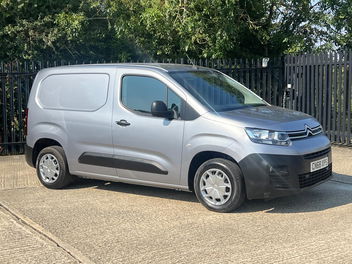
[148,149]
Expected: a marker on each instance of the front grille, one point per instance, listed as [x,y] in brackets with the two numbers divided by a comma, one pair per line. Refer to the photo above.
[306,132]
[311,178]
[317,154]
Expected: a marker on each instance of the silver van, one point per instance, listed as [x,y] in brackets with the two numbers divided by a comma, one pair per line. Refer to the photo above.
[172,126]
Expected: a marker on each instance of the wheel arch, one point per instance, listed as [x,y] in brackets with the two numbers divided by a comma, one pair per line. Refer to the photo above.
[199,159]
[42,143]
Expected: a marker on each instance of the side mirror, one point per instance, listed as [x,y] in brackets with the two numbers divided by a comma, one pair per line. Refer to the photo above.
[159,109]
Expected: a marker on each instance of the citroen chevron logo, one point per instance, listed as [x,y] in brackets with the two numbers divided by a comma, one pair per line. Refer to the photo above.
[308,130]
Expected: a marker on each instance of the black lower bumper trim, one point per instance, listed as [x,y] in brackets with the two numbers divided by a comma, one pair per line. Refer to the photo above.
[269,176]
[28,151]
[312,178]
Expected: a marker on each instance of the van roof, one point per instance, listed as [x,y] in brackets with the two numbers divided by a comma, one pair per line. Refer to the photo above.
[166,67]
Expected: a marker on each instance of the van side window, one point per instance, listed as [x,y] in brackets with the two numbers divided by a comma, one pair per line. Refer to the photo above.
[74,92]
[139,92]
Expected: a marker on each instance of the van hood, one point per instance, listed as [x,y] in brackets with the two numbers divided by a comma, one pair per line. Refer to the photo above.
[267,117]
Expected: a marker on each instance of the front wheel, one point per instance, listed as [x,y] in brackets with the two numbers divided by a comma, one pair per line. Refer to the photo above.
[219,185]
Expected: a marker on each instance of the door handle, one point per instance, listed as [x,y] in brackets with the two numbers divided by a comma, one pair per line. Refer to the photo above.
[122,122]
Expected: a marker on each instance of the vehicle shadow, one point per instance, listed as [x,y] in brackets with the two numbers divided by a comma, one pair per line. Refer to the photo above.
[135,189]
[330,194]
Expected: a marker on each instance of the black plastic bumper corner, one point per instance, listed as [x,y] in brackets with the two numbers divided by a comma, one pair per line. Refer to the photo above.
[28,151]
[270,176]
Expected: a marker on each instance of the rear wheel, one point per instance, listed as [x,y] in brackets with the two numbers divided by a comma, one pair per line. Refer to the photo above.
[219,186]
[52,168]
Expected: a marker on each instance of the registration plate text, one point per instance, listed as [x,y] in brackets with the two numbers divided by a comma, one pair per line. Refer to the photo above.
[319,164]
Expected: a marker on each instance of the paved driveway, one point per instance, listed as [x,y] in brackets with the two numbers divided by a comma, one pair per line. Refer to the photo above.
[121,223]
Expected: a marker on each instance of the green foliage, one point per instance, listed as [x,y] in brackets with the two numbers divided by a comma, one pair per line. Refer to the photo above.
[217,29]
[339,22]
[127,29]
[50,29]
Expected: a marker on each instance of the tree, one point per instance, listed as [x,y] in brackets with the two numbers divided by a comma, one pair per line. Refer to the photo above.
[217,29]
[130,29]
[339,22]
[65,29]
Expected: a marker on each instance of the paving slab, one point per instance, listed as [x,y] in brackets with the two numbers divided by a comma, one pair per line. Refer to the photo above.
[20,244]
[15,173]
[342,163]
[121,223]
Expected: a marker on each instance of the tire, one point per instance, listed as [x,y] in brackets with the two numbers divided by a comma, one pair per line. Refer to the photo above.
[57,176]
[209,182]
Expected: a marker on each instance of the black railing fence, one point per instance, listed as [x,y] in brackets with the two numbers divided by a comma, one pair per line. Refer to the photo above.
[319,85]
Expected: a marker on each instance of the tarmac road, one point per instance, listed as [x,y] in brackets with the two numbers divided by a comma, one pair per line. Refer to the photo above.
[120,223]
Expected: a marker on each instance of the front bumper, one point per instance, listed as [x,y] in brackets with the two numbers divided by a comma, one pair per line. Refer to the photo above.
[270,176]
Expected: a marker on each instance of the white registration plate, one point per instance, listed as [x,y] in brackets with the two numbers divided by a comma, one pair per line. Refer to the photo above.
[319,164]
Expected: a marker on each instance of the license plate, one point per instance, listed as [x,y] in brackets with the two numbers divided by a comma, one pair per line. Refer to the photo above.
[319,164]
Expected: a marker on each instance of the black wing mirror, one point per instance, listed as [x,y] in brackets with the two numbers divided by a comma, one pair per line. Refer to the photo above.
[159,109]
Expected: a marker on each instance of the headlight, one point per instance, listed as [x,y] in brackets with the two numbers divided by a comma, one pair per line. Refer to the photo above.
[263,136]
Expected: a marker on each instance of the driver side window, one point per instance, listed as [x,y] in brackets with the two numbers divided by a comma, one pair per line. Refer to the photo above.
[139,92]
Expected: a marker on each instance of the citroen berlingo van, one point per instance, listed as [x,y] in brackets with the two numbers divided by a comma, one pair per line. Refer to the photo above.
[173,126]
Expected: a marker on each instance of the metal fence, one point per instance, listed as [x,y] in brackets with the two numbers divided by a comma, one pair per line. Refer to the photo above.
[316,84]
[320,85]
[15,83]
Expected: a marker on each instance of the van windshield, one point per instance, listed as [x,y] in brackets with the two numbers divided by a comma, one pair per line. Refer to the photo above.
[217,91]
